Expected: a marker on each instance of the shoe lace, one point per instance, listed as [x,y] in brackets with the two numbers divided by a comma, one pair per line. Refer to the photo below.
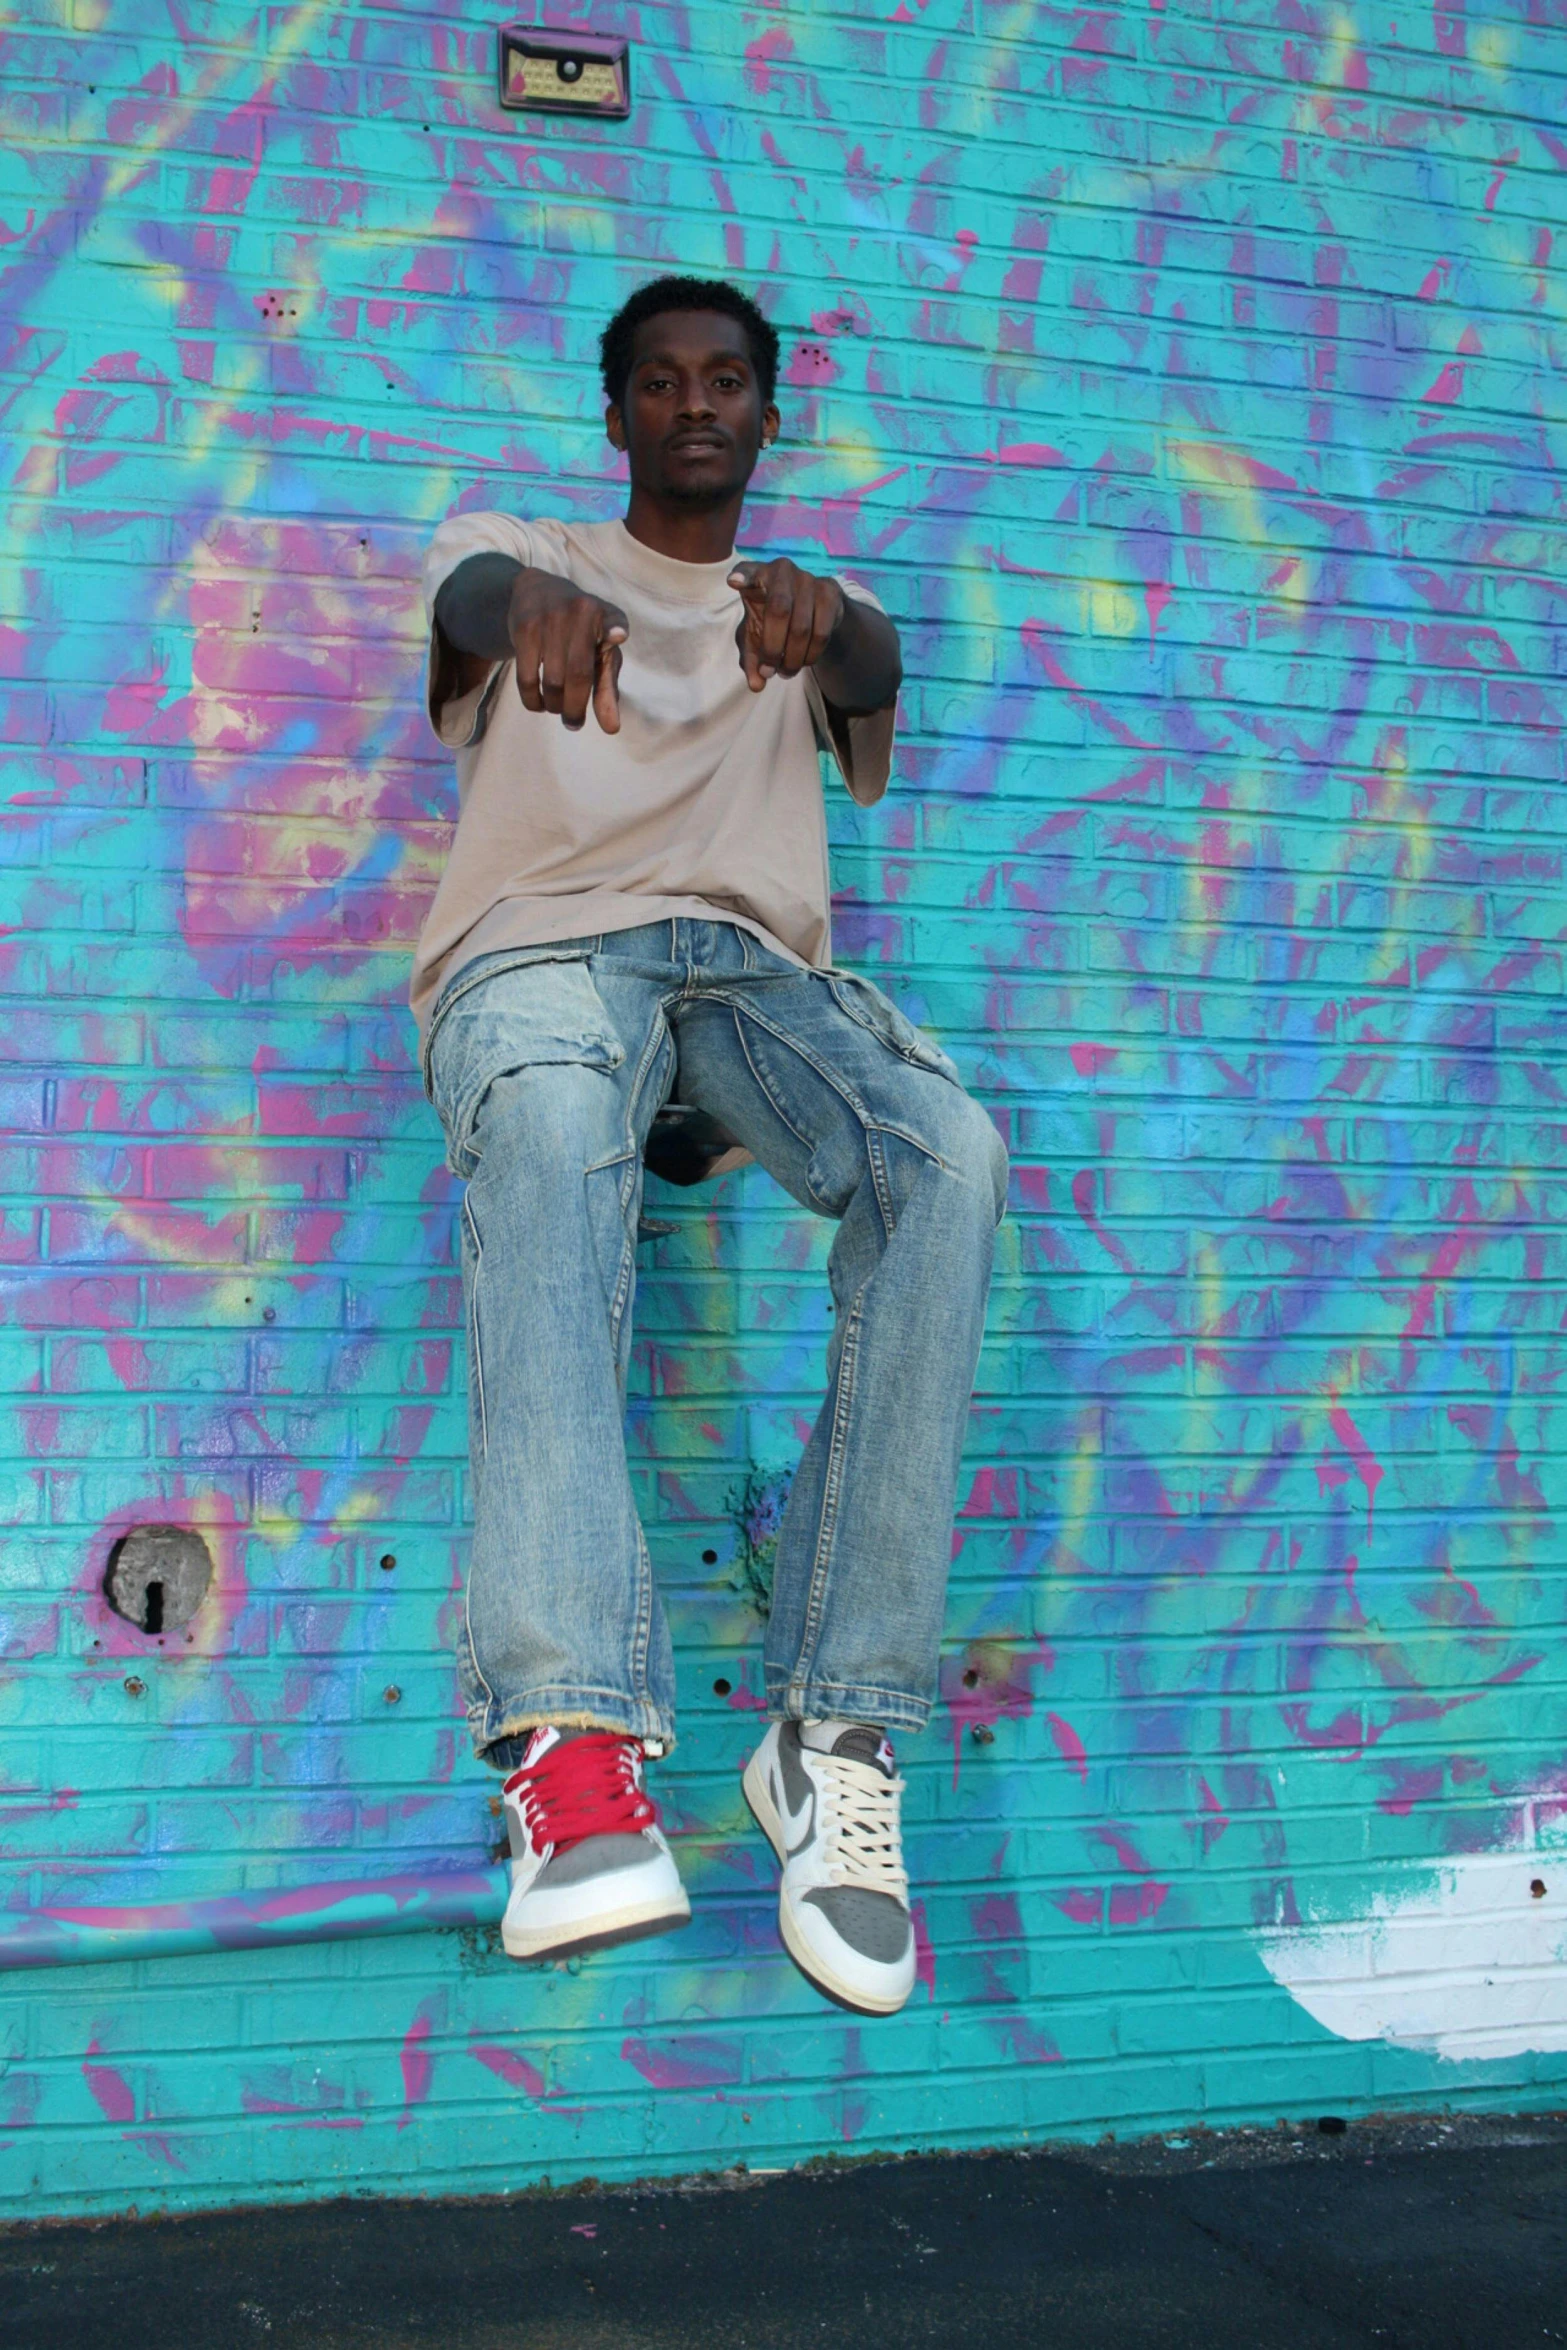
[590,1785]
[860,1828]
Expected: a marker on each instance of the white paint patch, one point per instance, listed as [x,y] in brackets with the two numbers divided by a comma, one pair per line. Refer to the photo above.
[1466,1960]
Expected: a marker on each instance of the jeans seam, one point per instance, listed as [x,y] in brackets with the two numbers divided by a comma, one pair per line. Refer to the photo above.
[658,1036]
[625,1158]
[830,1077]
[832,1485]
[632,1161]
[474,1342]
[883,1188]
[467,1591]
[777,1107]
[644,1630]
[628,1259]
[786,1687]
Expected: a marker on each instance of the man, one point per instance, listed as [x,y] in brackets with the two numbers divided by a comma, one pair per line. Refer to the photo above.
[636,910]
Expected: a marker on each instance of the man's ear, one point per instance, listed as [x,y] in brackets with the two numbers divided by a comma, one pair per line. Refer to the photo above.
[614,430]
[772,425]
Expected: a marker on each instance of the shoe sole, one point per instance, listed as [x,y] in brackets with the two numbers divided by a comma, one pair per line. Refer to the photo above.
[607,1927]
[753,1786]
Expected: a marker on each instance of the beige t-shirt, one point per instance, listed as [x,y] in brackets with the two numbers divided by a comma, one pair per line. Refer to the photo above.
[707,803]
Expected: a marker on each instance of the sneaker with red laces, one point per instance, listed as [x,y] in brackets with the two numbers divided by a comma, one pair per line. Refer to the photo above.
[589,1865]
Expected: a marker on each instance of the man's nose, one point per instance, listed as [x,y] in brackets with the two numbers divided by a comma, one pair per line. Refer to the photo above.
[695,400]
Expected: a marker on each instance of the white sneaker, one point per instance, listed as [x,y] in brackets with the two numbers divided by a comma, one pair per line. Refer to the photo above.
[825,1795]
[589,1865]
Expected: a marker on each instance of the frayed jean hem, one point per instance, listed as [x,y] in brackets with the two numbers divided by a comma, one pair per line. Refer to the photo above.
[816,1701]
[500,1733]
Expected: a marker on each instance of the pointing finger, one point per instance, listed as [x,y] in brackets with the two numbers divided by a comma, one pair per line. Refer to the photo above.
[528,650]
[777,622]
[606,682]
[580,668]
[747,639]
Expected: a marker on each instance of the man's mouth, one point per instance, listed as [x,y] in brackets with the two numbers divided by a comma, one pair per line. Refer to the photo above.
[697,444]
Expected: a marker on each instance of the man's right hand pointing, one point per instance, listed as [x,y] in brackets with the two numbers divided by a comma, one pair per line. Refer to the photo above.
[567,648]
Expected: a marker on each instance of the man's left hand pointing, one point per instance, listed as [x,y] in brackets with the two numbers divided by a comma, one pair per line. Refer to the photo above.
[789,619]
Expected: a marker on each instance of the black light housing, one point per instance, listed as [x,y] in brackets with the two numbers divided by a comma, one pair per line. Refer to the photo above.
[564,73]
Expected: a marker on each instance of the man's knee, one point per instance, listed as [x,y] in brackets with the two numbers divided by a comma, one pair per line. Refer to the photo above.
[556,1119]
[958,1136]
[977,1155]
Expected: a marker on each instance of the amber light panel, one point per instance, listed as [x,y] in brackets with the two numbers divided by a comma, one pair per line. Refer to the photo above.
[564,73]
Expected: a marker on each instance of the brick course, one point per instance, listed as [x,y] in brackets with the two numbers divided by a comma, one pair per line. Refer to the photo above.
[1187,379]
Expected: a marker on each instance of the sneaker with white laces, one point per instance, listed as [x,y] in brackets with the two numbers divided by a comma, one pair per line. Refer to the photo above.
[825,1795]
[589,1864]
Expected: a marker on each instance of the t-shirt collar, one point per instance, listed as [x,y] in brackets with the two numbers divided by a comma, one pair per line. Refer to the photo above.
[695,583]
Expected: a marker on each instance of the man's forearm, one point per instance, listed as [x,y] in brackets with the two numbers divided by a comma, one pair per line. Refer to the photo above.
[862,667]
[472,607]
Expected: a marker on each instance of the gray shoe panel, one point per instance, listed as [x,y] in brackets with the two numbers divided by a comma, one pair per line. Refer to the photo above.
[799,1793]
[596,1856]
[874,1924]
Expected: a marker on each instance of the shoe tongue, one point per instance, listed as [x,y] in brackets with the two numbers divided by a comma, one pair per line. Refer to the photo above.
[859,1742]
[542,1738]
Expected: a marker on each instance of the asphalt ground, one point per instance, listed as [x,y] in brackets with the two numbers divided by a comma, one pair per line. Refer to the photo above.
[1433,2233]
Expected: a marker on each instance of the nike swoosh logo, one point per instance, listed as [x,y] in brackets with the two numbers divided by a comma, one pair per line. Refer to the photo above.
[803,1820]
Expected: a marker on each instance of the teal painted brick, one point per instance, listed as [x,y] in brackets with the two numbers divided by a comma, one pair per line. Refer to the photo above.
[1202,370]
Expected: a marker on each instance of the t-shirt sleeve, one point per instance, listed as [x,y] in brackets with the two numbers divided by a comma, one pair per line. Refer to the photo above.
[458,715]
[861,746]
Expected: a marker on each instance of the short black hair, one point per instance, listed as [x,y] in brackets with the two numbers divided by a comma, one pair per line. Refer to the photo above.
[618,341]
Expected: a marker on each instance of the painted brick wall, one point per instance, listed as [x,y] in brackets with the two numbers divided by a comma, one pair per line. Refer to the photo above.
[1187,379]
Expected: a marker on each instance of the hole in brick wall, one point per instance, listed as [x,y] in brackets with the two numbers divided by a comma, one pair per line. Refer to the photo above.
[1537,1888]
[709,1558]
[388,1561]
[158,1577]
[721,1687]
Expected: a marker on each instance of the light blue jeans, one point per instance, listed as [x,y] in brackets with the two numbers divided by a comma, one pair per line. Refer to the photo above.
[547,1065]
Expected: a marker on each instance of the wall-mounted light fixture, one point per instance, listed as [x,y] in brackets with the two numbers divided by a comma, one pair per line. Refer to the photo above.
[564,73]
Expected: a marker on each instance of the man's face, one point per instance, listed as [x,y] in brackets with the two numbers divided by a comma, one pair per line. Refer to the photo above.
[692,420]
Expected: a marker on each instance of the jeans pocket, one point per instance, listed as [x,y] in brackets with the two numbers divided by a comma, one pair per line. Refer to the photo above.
[866,1004]
[521,1014]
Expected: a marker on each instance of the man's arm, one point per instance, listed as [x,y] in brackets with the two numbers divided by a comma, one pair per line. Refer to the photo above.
[793,621]
[862,668]
[566,643]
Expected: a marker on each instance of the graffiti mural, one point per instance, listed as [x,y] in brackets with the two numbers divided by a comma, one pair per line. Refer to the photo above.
[1188,384]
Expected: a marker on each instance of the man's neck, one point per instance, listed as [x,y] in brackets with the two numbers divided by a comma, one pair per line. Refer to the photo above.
[699,534]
